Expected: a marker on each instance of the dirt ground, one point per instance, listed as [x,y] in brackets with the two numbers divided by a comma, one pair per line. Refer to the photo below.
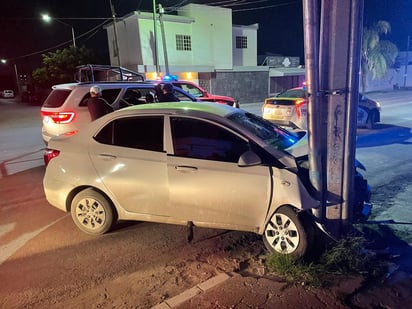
[141,265]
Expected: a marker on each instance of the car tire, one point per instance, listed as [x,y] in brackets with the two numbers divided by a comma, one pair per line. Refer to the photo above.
[287,233]
[92,212]
[371,121]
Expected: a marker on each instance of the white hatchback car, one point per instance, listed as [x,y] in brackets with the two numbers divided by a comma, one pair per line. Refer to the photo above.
[65,109]
[195,164]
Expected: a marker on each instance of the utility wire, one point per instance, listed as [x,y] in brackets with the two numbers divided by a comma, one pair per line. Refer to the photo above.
[94,30]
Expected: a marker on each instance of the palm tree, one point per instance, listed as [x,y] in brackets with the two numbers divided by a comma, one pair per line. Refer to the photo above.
[377,55]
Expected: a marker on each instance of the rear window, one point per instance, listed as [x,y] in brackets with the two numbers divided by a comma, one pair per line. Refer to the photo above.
[280,102]
[292,93]
[56,98]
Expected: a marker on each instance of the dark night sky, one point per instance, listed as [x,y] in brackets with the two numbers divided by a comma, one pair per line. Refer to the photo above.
[24,37]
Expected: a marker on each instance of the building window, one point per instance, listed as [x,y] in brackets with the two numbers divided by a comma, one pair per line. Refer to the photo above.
[183,42]
[241,42]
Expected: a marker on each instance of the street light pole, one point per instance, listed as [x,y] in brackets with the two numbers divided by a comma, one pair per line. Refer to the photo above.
[16,74]
[162,28]
[156,60]
[115,33]
[47,18]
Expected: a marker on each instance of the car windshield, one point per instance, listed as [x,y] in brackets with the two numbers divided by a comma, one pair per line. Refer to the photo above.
[292,93]
[268,132]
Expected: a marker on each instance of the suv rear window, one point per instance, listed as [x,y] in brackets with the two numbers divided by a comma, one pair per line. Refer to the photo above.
[56,98]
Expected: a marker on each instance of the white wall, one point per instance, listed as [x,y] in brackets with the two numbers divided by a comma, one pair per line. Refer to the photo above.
[245,56]
[211,35]
[175,57]
[209,27]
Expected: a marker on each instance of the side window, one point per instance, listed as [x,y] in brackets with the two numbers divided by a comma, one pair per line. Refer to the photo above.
[109,95]
[192,90]
[144,133]
[181,96]
[136,96]
[199,139]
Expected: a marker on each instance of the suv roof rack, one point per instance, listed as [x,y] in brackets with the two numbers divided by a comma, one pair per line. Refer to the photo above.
[105,73]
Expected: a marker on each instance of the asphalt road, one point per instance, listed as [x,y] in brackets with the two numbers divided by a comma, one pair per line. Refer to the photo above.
[46,261]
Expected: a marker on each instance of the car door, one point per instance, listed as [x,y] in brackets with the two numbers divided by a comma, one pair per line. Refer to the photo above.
[206,184]
[130,160]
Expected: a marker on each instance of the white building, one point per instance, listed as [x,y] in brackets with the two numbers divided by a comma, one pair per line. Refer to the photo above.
[201,44]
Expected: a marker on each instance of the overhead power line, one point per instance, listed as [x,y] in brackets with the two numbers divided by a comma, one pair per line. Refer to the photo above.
[92,31]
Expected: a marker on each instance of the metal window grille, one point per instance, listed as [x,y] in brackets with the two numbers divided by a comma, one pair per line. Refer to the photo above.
[183,42]
[241,42]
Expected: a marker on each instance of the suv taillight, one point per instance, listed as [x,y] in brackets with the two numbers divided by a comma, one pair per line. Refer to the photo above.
[50,154]
[58,117]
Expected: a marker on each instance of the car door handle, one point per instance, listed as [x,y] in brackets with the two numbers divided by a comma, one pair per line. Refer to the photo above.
[184,168]
[106,156]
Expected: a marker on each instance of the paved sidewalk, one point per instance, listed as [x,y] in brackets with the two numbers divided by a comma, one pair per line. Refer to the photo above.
[226,291]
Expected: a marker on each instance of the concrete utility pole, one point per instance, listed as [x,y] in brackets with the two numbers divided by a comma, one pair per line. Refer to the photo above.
[333,105]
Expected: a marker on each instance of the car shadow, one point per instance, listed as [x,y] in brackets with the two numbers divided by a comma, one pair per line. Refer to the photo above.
[383,239]
[383,134]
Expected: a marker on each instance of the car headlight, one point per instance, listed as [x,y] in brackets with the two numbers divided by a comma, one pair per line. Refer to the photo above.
[378,105]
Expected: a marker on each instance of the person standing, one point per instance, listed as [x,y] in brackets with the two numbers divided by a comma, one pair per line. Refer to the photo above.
[168,94]
[96,104]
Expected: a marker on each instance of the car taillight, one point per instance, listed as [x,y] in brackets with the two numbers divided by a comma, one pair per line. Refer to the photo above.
[298,105]
[50,154]
[58,117]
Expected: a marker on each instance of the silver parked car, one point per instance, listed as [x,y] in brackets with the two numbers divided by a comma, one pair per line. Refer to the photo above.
[195,164]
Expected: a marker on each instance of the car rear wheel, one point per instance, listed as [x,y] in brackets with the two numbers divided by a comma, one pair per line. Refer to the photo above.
[286,233]
[92,212]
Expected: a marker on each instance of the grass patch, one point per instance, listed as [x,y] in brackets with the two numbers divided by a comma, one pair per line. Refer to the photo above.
[346,257]
[293,271]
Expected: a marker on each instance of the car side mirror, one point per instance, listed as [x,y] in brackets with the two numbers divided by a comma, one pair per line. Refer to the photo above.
[249,158]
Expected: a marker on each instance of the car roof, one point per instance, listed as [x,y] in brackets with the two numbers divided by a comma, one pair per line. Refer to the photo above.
[115,84]
[207,107]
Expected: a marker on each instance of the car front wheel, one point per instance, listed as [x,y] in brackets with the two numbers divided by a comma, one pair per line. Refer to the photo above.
[286,233]
[92,212]
[372,120]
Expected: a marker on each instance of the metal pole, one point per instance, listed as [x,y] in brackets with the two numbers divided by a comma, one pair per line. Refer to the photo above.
[17,79]
[162,28]
[355,43]
[115,34]
[156,58]
[72,28]
[406,64]
[74,38]
[315,115]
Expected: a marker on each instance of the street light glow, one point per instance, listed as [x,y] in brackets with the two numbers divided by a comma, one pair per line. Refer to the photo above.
[47,18]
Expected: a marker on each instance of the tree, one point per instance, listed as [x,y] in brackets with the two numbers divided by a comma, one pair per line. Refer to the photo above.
[60,66]
[377,55]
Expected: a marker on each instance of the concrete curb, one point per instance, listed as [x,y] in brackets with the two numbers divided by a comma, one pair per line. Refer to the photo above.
[190,293]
